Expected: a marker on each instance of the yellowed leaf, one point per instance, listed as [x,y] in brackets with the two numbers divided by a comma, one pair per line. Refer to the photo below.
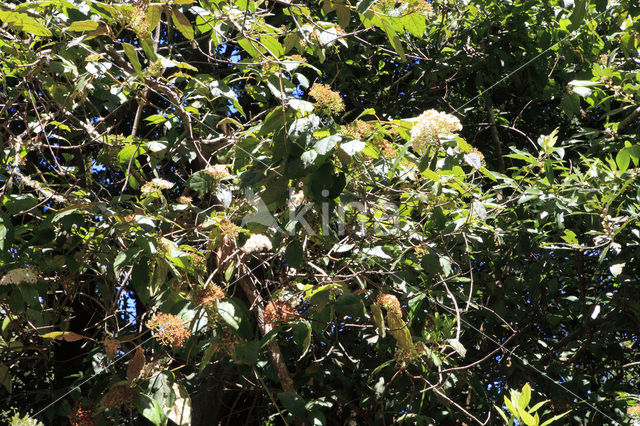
[67,336]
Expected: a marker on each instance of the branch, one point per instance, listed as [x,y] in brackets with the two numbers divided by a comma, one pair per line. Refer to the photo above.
[496,139]
[629,119]
[257,305]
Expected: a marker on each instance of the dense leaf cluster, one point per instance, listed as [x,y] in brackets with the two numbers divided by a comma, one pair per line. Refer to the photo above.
[332,212]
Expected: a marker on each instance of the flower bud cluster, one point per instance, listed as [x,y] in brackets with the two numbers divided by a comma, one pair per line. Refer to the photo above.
[19,276]
[390,303]
[217,171]
[428,128]
[168,330]
[278,311]
[81,415]
[208,296]
[120,396]
[326,98]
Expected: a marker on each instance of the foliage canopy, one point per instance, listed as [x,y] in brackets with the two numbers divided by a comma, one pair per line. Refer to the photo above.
[333,212]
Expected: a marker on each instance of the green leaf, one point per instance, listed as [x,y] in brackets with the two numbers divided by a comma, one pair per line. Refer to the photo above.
[364,5]
[5,377]
[378,319]
[350,304]
[571,104]
[17,203]
[88,25]
[623,159]
[147,46]
[634,153]
[537,406]
[235,314]
[554,418]
[352,147]
[249,48]
[272,45]
[504,416]
[274,120]
[415,23]
[302,336]
[527,418]
[182,24]
[247,352]
[579,13]
[23,22]
[294,254]
[458,347]
[325,145]
[150,409]
[344,14]
[548,170]
[525,396]
[67,336]
[201,182]
[129,151]
[131,53]
[511,407]
[570,237]
[293,403]
[154,14]
[393,39]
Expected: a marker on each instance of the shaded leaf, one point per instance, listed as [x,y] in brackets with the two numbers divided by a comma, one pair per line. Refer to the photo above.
[182,23]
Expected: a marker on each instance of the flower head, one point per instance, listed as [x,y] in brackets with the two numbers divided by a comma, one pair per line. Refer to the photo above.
[208,296]
[278,311]
[326,98]
[19,276]
[298,58]
[168,329]
[428,128]
[296,198]
[217,171]
[390,303]
[120,396]
[257,242]
[156,184]
[81,415]
[359,129]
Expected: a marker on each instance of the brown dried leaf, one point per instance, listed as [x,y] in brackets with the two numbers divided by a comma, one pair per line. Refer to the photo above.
[111,346]
[136,365]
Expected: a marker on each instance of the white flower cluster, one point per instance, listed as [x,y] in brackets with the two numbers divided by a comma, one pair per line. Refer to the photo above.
[257,242]
[155,185]
[297,199]
[19,276]
[429,126]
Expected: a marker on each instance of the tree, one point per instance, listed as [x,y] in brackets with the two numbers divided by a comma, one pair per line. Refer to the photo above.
[335,212]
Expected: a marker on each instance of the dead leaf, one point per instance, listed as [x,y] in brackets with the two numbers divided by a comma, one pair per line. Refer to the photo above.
[136,365]
[111,346]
